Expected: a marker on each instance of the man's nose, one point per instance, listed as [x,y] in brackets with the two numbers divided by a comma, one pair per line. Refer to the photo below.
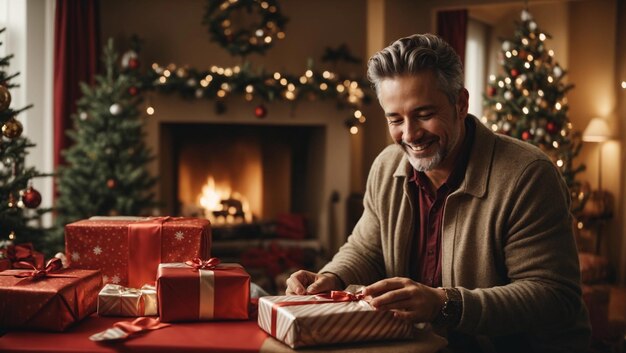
[413,130]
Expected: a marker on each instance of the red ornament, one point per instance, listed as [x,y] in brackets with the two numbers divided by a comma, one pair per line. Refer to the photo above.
[133,91]
[552,128]
[526,136]
[111,183]
[260,111]
[31,197]
[133,63]
[514,72]
[491,91]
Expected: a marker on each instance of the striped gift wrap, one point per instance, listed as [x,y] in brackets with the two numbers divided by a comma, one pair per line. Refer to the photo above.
[310,320]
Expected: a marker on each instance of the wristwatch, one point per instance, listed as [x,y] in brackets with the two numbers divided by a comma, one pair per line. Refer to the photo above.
[450,313]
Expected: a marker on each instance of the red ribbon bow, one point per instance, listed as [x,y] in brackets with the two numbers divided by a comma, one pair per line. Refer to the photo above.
[53,265]
[199,264]
[342,296]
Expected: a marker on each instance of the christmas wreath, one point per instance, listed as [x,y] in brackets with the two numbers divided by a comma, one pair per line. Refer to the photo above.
[244,26]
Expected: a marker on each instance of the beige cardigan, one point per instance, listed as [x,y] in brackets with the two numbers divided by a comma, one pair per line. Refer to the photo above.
[507,244]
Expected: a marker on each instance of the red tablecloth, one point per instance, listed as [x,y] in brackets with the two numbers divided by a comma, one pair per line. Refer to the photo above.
[214,337]
[234,336]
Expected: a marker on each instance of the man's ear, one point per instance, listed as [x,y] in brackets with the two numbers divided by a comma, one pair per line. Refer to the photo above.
[462,103]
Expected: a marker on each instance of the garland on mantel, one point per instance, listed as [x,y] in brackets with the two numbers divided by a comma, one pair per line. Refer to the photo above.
[218,83]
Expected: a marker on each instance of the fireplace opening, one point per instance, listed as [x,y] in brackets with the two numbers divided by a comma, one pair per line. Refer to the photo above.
[237,174]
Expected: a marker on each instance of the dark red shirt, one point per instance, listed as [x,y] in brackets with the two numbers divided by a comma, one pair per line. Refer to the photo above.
[429,214]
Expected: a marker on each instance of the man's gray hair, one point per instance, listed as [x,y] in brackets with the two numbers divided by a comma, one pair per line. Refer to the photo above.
[418,53]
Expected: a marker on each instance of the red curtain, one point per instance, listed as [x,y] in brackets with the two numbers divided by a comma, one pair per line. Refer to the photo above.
[452,27]
[76,57]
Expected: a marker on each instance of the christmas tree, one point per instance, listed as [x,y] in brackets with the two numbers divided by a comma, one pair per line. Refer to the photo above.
[106,172]
[19,215]
[527,100]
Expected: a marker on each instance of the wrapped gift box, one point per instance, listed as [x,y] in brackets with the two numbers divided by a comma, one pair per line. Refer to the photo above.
[186,293]
[311,320]
[51,303]
[116,300]
[12,255]
[129,250]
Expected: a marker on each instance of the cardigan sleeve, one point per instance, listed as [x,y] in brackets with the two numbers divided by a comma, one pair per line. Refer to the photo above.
[540,259]
[360,260]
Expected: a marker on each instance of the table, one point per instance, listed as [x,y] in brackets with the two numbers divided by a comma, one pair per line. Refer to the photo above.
[196,337]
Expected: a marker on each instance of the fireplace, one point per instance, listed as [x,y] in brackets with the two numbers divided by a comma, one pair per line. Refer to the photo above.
[234,174]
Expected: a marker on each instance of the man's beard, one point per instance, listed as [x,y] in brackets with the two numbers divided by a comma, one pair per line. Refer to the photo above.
[426,164]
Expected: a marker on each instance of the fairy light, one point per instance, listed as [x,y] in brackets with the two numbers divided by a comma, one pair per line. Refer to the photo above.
[283,81]
[501,84]
[162,79]
[530,57]
[354,130]
[559,163]
[358,114]
[340,88]
[498,106]
[558,106]
[494,127]
[150,110]
[527,65]
[276,76]
[323,86]
[508,54]
[308,73]
[166,73]
[551,52]
[326,74]
[624,84]
[249,89]
[550,79]
[507,80]
[555,144]
[525,110]
[525,41]
[303,79]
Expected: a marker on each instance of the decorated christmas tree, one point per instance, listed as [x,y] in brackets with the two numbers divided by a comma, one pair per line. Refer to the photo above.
[106,172]
[19,201]
[527,100]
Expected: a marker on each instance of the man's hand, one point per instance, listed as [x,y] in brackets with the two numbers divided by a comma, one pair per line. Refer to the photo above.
[407,299]
[305,282]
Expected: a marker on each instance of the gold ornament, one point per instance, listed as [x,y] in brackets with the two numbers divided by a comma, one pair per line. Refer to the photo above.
[5,98]
[12,128]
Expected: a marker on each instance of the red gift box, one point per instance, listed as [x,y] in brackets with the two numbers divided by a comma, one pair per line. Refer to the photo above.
[13,254]
[202,291]
[50,303]
[128,251]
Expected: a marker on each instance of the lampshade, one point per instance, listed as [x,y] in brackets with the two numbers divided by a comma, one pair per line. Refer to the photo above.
[597,131]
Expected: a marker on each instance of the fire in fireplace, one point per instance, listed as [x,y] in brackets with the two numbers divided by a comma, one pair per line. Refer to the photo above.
[243,173]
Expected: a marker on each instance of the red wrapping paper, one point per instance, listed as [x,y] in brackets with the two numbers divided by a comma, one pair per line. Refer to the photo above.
[13,254]
[106,244]
[5,264]
[52,303]
[184,293]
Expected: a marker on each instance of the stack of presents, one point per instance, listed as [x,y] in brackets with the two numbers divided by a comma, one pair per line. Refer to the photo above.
[159,270]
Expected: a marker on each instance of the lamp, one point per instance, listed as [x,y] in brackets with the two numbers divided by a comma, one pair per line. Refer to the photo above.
[598,131]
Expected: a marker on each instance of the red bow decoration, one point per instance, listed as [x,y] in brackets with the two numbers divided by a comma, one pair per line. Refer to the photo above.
[122,329]
[53,265]
[20,253]
[342,296]
[199,264]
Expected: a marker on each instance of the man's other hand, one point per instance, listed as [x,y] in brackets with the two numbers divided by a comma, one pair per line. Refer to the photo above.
[407,299]
[306,282]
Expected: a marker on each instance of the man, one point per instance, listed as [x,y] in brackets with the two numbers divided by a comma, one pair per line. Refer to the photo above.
[462,228]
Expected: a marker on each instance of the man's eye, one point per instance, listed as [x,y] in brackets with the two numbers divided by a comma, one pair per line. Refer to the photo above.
[395,121]
[425,116]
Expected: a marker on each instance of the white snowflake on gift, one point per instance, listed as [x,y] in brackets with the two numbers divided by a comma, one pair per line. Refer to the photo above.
[115,279]
[75,256]
[97,250]
[179,235]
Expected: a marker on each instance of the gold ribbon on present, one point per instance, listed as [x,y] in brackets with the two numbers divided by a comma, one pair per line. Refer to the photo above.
[118,300]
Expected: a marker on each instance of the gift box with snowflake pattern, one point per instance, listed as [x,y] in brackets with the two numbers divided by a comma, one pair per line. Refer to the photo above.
[128,250]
